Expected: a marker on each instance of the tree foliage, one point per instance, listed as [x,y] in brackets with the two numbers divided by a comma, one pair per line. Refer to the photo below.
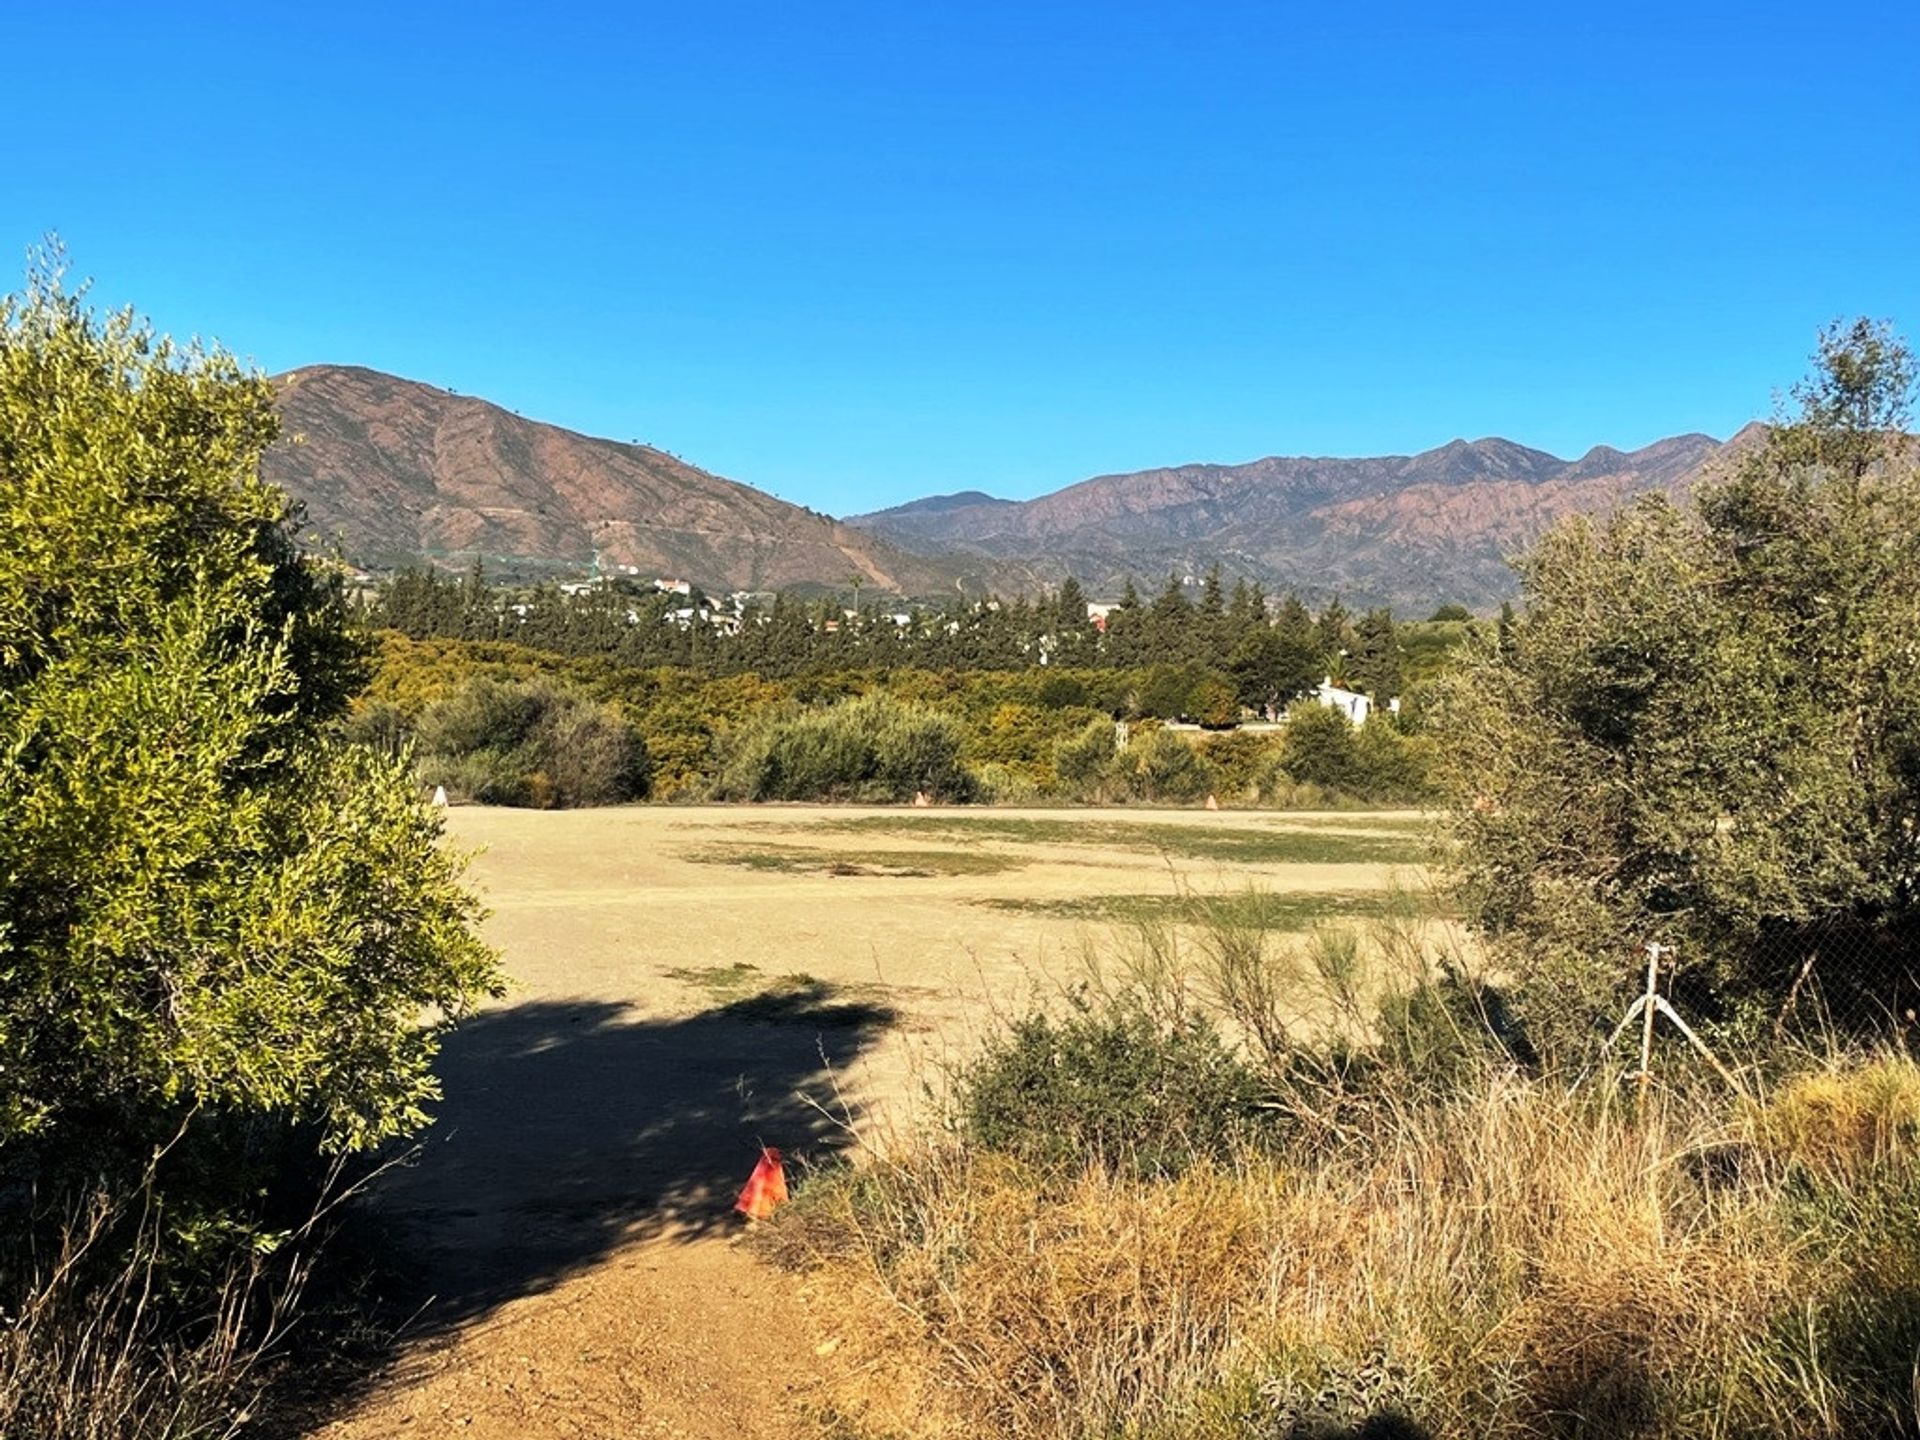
[1704,730]
[874,748]
[210,904]
[1269,658]
[531,742]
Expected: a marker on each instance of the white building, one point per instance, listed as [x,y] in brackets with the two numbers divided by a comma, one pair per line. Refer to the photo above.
[1350,703]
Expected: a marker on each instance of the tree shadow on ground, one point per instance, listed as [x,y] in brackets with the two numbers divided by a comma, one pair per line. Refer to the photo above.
[569,1129]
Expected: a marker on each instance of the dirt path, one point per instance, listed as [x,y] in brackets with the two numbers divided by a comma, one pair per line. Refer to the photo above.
[662,1339]
[570,1211]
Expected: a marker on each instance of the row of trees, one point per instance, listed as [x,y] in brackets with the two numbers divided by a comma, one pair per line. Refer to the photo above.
[1270,653]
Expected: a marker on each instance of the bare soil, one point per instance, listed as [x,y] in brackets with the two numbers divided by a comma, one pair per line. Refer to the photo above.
[569,1214]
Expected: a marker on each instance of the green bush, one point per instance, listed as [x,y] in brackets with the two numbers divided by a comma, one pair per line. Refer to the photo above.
[872,749]
[1004,785]
[1704,732]
[1240,761]
[1319,747]
[1082,762]
[1372,763]
[1113,1084]
[1163,766]
[1214,704]
[220,923]
[529,743]
[1062,692]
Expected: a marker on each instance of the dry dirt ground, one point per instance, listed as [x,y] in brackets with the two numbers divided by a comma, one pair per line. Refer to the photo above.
[689,984]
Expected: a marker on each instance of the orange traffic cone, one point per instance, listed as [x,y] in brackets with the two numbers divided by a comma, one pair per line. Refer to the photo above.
[766,1188]
[1213,802]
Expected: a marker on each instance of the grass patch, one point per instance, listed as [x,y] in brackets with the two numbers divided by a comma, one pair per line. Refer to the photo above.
[1509,1260]
[1293,912]
[750,995]
[720,981]
[1398,843]
[895,864]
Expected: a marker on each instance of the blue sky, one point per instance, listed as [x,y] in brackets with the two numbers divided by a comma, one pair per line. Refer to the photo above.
[854,253]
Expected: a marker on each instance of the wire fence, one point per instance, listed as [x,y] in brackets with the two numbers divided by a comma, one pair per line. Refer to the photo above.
[1834,982]
[1841,977]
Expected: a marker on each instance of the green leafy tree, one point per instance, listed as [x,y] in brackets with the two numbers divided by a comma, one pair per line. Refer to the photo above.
[1170,627]
[1704,730]
[1211,640]
[1373,668]
[1333,639]
[1213,703]
[1128,642]
[214,910]
[1300,665]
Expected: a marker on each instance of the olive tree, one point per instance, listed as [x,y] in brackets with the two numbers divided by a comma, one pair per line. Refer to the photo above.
[214,911]
[1704,729]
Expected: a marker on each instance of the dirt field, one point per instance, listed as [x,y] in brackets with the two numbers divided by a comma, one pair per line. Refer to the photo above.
[692,983]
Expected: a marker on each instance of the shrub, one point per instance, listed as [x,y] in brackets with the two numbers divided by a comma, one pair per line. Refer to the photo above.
[1017,737]
[1371,763]
[1063,692]
[1213,704]
[1319,747]
[102,1338]
[211,906]
[1240,761]
[1082,762]
[223,927]
[873,749]
[1162,766]
[1004,785]
[1702,731]
[1111,1083]
[529,743]
[1506,1259]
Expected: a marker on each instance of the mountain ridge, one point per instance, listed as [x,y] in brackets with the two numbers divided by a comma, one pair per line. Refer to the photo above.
[1413,530]
[395,471]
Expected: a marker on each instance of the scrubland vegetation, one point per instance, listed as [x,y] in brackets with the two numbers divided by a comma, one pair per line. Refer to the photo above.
[471,712]
[1241,1183]
[1136,1227]
[1394,1186]
[1362,1179]
[1029,690]
[221,922]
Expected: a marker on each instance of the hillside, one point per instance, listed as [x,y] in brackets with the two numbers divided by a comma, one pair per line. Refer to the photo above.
[1413,530]
[394,471]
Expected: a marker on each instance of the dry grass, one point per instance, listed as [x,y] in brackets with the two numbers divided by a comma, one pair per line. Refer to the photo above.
[100,1346]
[1504,1259]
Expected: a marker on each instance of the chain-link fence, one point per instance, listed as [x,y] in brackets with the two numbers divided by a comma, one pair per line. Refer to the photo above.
[1841,977]
[1834,981]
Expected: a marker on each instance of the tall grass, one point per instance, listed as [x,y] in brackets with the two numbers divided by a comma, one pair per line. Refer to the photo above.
[101,1341]
[1422,1237]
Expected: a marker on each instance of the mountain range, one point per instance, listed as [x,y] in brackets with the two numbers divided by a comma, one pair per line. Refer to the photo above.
[1412,530]
[393,471]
